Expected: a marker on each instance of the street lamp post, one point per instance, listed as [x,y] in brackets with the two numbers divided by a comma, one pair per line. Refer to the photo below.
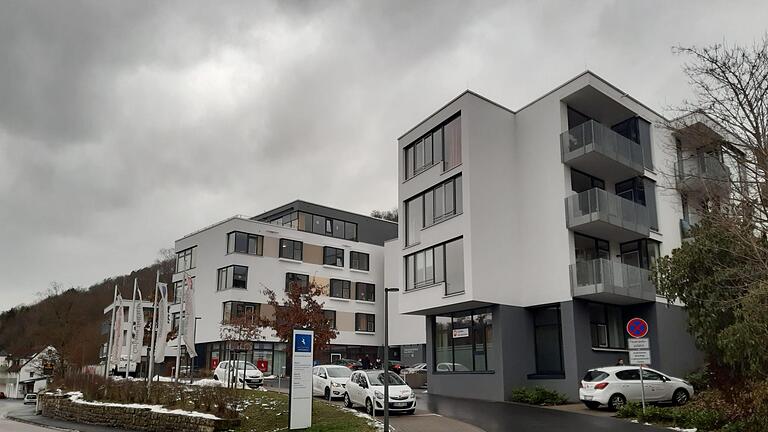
[386,356]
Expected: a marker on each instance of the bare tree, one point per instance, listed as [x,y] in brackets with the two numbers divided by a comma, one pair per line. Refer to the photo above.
[239,330]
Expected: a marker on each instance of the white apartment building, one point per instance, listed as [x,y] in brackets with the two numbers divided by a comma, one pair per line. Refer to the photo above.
[233,261]
[526,237]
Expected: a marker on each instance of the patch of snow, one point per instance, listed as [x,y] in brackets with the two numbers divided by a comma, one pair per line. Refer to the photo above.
[682,430]
[208,383]
[634,421]
[77,397]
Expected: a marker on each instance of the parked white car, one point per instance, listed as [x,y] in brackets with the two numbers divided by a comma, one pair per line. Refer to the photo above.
[616,385]
[237,372]
[330,381]
[451,367]
[417,368]
[366,388]
[30,399]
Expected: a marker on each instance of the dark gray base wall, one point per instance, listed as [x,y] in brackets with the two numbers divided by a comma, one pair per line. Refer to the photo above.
[514,363]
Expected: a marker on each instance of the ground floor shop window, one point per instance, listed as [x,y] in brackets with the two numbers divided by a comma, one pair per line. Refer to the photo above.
[548,340]
[463,342]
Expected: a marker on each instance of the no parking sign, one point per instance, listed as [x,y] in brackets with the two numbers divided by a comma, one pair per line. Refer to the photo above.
[637,328]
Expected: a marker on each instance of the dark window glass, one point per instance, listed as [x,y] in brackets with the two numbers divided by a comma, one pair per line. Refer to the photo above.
[359,261]
[452,144]
[333,256]
[241,242]
[365,322]
[548,341]
[463,342]
[340,288]
[628,375]
[318,224]
[595,375]
[331,317]
[651,375]
[365,291]
[185,260]
[239,310]
[291,249]
[300,280]
[338,228]
[581,182]
[350,231]
[232,277]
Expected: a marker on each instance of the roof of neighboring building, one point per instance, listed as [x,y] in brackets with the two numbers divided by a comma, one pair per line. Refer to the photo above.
[20,364]
[369,229]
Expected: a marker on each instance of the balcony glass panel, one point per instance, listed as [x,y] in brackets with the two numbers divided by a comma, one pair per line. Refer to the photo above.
[602,214]
[611,282]
[595,148]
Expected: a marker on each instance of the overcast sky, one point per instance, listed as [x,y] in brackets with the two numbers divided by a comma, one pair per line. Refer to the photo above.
[124,126]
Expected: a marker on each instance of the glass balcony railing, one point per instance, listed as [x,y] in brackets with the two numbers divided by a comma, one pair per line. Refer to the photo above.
[595,148]
[701,172]
[611,282]
[602,214]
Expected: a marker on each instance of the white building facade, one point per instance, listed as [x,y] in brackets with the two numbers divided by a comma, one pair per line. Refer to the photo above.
[233,261]
[526,238]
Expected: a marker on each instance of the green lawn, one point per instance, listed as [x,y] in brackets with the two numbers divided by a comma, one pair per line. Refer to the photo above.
[268,411]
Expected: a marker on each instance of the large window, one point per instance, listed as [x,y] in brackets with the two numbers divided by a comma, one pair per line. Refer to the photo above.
[463,342]
[291,249]
[178,287]
[548,340]
[333,256]
[234,310]
[318,224]
[185,260]
[359,261]
[442,144]
[300,280]
[641,191]
[232,277]
[241,242]
[340,288]
[330,315]
[365,291]
[641,253]
[606,325]
[365,322]
[437,204]
[442,263]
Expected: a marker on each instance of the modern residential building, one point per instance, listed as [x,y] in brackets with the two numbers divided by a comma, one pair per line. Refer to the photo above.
[526,238]
[233,261]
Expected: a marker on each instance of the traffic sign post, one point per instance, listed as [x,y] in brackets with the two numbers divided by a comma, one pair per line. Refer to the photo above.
[639,349]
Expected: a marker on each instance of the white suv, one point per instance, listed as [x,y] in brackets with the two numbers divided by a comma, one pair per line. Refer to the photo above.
[614,386]
[366,388]
[330,381]
[237,372]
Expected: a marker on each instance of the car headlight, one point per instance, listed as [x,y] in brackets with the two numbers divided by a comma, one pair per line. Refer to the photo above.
[378,394]
[335,384]
[412,394]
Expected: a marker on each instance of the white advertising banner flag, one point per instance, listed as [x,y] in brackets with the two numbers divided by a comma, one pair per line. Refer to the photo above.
[117,337]
[137,340]
[300,415]
[189,314]
[163,327]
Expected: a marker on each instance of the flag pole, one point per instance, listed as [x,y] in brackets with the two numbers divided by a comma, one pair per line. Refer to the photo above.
[151,374]
[179,333]
[130,333]
[111,335]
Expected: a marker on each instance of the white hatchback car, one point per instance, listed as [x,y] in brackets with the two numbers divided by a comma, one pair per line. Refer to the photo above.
[227,370]
[366,388]
[330,381]
[616,385]
[30,399]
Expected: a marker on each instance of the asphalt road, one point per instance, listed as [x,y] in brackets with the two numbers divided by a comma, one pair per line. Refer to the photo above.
[8,405]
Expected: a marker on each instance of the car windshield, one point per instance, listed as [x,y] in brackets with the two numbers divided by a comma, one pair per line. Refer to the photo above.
[377,378]
[239,365]
[339,372]
[595,375]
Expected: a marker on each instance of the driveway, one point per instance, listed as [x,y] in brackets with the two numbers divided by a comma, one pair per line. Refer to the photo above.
[506,416]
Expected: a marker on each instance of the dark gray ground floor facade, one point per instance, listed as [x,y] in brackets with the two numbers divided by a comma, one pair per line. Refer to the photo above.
[486,353]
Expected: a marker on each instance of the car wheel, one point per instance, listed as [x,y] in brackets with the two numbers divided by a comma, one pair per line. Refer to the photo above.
[327,394]
[369,407]
[347,401]
[617,401]
[680,397]
[592,405]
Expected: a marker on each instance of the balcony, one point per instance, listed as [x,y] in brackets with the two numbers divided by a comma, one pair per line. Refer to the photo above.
[597,150]
[702,173]
[611,282]
[601,214]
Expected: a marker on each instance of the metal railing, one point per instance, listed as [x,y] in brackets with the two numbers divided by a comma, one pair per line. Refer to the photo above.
[594,136]
[702,167]
[611,277]
[600,205]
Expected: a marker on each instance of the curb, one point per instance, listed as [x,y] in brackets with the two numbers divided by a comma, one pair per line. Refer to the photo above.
[30,422]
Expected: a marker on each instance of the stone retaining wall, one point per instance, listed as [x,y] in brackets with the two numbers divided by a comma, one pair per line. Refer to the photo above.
[143,419]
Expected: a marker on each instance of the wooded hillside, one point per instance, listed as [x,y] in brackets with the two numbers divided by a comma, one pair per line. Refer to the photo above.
[71,319]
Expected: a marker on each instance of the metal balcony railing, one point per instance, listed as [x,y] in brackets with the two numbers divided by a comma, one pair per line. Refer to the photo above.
[611,281]
[591,137]
[702,171]
[595,207]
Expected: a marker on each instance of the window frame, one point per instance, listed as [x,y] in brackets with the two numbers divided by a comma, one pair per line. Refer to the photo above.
[304,289]
[429,157]
[345,286]
[297,220]
[369,291]
[284,242]
[559,325]
[226,270]
[233,308]
[259,239]
[439,268]
[370,322]
[355,263]
[473,328]
[331,321]
[186,252]
[338,254]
